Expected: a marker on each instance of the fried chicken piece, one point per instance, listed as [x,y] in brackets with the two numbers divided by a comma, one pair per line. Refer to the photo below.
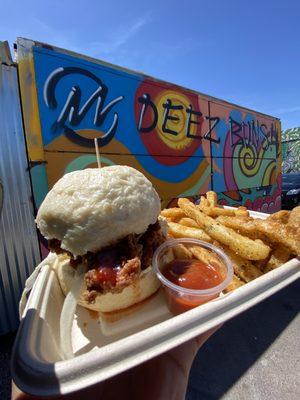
[129,273]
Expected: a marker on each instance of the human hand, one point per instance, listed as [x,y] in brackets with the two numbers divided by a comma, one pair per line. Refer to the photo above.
[163,377]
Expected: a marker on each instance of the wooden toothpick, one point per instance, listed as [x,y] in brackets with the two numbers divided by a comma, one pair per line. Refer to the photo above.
[97,153]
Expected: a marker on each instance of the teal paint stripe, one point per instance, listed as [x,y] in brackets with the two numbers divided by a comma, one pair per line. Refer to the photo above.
[82,162]
[196,188]
[39,183]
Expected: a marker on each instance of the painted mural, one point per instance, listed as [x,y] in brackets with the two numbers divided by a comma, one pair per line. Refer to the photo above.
[291,150]
[186,143]
[266,199]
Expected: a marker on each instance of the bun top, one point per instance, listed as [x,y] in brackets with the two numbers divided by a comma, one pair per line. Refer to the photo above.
[90,209]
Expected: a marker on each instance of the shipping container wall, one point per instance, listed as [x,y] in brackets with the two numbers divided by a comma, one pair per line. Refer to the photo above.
[185,142]
[19,250]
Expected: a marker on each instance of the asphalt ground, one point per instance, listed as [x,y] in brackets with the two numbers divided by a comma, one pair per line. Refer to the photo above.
[252,357]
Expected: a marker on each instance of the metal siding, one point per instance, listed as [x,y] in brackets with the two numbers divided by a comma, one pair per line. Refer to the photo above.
[19,252]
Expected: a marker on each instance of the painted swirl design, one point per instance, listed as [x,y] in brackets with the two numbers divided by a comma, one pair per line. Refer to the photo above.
[249,160]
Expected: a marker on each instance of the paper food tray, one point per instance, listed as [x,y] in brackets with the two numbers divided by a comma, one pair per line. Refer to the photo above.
[37,366]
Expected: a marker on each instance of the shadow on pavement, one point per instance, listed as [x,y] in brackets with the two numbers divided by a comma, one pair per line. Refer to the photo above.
[239,343]
[6,342]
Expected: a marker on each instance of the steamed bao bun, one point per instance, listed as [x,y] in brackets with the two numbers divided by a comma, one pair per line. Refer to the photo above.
[90,209]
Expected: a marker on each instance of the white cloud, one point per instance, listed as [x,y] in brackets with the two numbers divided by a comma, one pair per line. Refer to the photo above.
[118,38]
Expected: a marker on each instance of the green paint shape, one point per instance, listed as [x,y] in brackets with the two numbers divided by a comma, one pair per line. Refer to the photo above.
[82,162]
[193,191]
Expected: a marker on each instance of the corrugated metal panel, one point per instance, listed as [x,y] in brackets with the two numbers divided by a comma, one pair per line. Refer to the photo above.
[19,251]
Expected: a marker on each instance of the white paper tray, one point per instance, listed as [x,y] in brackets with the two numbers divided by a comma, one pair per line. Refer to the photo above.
[37,366]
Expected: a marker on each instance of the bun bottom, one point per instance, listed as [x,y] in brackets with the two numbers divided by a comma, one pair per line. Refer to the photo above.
[141,289]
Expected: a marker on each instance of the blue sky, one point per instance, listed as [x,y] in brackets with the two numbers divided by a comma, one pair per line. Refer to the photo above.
[246,52]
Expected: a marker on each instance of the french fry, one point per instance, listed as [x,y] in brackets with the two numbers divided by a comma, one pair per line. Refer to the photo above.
[179,231]
[281,216]
[243,246]
[243,268]
[261,264]
[188,222]
[204,203]
[279,256]
[182,252]
[210,207]
[212,198]
[173,213]
[216,211]
[204,255]
[294,219]
[274,231]
[234,284]
[241,212]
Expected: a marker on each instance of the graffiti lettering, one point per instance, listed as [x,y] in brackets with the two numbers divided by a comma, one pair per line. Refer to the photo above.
[251,133]
[235,129]
[72,114]
[146,102]
[263,130]
[190,121]
[246,132]
[207,135]
[168,106]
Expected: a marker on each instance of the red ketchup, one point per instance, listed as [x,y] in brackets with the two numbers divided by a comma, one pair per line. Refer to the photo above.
[106,275]
[107,265]
[190,274]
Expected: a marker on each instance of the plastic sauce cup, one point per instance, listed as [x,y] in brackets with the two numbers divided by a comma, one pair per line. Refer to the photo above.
[180,299]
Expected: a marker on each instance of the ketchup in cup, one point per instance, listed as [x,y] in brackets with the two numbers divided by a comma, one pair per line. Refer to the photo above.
[189,279]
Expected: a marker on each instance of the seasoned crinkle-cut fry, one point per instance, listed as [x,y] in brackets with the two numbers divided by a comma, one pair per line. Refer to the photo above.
[245,247]
[180,231]
[188,222]
[173,213]
[274,231]
[243,268]
[279,256]
[234,284]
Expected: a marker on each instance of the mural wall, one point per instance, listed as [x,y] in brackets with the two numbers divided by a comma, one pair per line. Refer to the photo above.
[185,142]
[291,150]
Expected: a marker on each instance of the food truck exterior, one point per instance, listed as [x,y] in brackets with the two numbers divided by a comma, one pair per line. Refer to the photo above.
[185,142]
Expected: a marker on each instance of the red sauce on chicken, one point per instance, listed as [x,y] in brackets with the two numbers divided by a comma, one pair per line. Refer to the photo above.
[106,275]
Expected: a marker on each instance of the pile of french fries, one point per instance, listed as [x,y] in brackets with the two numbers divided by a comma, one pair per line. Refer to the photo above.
[255,246]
